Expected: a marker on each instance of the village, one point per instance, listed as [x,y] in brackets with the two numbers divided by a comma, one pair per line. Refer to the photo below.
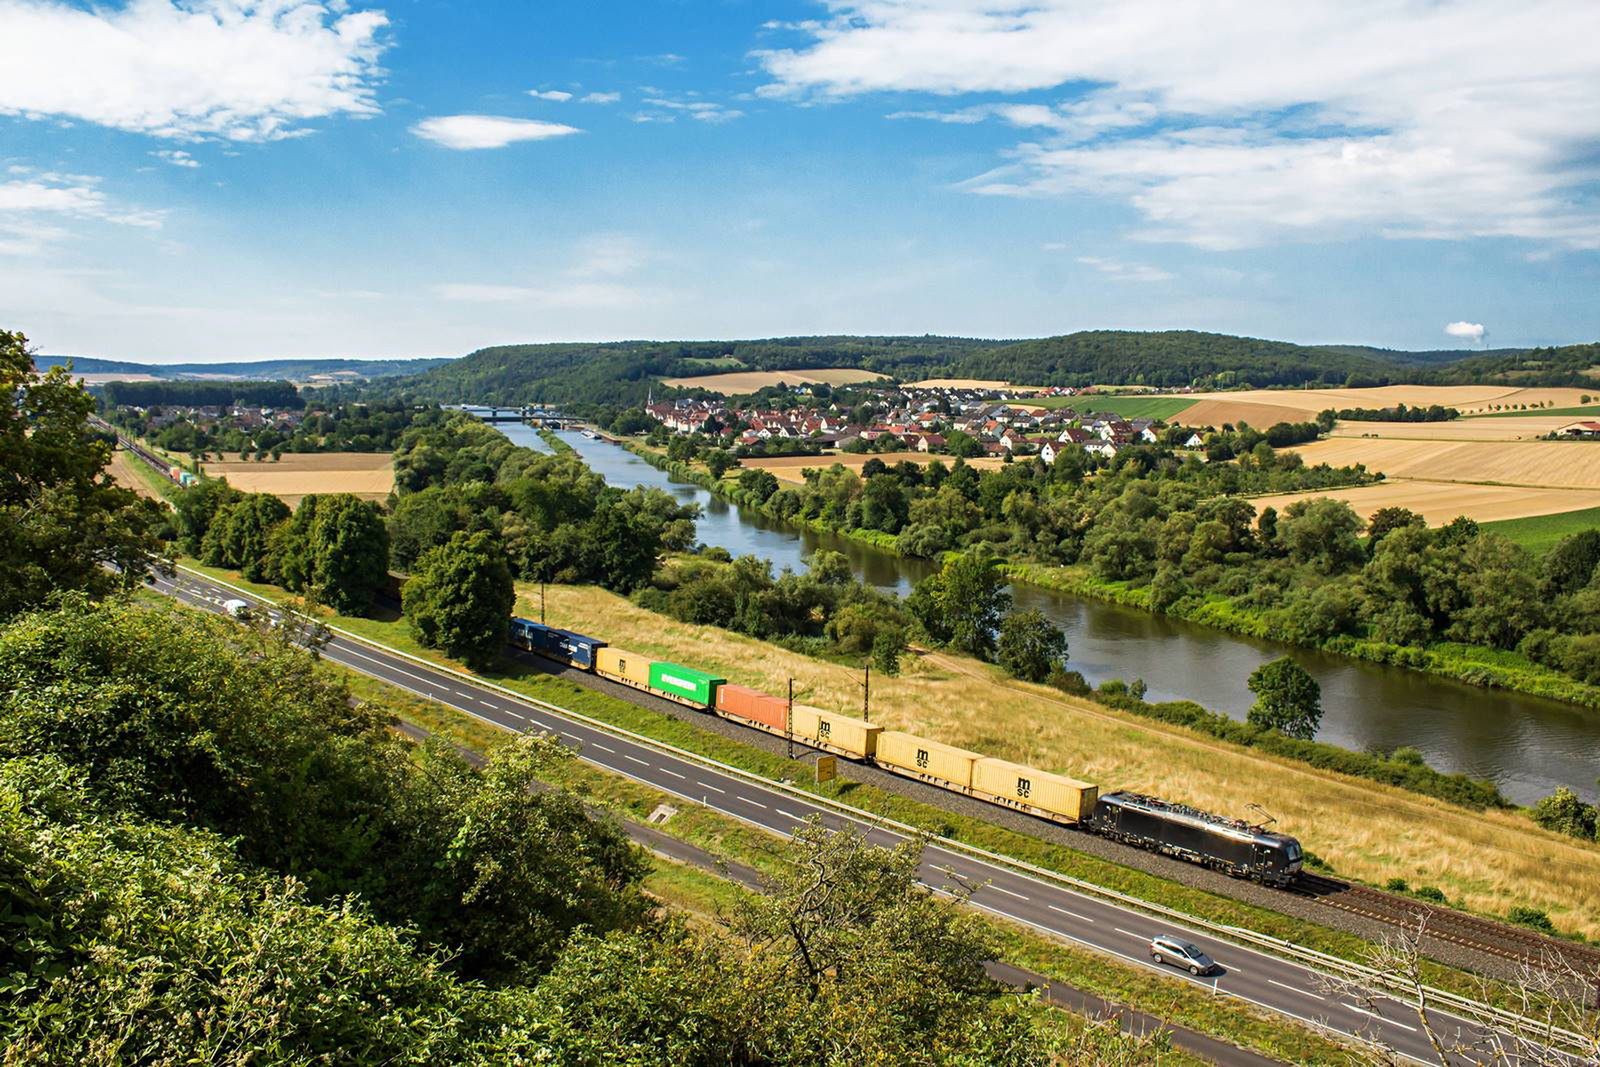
[944,420]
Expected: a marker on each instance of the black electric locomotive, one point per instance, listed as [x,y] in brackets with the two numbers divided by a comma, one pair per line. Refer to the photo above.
[1229,845]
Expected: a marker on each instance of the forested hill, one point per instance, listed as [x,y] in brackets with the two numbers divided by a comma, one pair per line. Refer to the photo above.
[257,370]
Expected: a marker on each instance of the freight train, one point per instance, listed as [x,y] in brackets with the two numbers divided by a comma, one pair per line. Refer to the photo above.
[1229,845]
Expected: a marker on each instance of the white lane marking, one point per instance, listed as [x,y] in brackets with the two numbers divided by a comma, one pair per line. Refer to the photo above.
[636,759]
[386,665]
[602,748]
[789,815]
[1293,989]
[484,702]
[1130,933]
[1074,914]
[674,774]
[1381,1019]
[1007,892]
[747,800]
[713,788]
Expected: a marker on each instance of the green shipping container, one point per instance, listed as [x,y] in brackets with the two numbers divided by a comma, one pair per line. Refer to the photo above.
[684,683]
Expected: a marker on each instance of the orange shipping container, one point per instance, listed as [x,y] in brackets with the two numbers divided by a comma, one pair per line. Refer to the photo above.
[757,707]
[624,666]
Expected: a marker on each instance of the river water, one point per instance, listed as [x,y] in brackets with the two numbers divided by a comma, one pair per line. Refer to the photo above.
[1526,745]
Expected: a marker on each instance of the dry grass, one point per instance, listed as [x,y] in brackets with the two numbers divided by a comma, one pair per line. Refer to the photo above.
[792,468]
[1547,464]
[1491,860]
[369,475]
[736,383]
[968,383]
[1263,407]
[1439,502]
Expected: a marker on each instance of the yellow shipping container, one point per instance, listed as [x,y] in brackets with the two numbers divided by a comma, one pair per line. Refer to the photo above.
[926,759]
[1030,788]
[624,666]
[838,733]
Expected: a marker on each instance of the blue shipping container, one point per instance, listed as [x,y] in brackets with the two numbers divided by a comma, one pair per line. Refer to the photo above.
[557,644]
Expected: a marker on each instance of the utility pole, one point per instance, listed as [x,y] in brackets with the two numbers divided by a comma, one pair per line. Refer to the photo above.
[788,720]
[866,695]
[541,603]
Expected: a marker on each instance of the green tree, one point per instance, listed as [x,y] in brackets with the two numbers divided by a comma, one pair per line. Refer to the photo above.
[961,604]
[720,461]
[62,518]
[1563,812]
[240,536]
[460,598]
[1322,533]
[1288,699]
[888,645]
[335,548]
[1030,646]
[1386,520]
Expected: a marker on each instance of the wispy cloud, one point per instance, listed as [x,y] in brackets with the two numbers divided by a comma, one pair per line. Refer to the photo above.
[465,132]
[248,71]
[599,98]
[1123,271]
[597,278]
[34,203]
[666,109]
[557,95]
[1226,125]
[177,157]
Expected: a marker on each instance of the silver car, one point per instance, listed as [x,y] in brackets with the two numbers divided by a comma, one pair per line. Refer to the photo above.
[1177,953]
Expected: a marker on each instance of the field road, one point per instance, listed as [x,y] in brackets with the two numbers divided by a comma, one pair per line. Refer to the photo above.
[1253,976]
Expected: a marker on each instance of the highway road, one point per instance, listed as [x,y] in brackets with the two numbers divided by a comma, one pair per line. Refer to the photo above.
[1281,986]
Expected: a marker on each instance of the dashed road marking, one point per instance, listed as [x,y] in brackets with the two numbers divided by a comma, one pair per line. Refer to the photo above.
[1007,892]
[674,774]
[1375,1015]
[1074,914]
[1293,989]
[636,759]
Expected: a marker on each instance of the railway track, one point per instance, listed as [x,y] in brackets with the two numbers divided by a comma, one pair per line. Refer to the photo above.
[1446,924]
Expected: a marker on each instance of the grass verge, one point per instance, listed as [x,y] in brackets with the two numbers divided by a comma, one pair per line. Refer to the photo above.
[1540,533]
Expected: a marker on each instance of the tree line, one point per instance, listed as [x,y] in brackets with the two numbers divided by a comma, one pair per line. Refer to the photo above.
[200,394]
[324,427]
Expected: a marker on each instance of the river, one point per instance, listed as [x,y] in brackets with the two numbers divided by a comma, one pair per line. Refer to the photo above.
[1526,745]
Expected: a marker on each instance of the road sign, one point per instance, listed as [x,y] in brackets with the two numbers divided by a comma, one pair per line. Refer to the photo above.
[827,768]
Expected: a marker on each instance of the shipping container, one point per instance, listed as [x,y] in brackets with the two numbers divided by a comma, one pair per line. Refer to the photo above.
[684,684]
[829,730]
[919,757]
[620,665]
[753,707]
[555,643]
[1033,790]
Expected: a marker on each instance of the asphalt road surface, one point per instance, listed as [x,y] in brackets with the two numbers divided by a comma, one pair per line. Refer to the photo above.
[1281,986]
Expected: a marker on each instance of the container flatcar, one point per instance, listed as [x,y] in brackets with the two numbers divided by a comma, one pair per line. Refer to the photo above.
[1229,845]
[686,685]
[932,761]
[832,732]
[620,665]
[564,646]
[1050,796]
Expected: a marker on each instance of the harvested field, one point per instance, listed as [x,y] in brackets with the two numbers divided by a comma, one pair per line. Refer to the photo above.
[1494,428]
[968,383]
[791,468]
[1439,502]
[1489,860]
[369,475]
[1544,464]
[1263,407]
[737,383]
[124,470]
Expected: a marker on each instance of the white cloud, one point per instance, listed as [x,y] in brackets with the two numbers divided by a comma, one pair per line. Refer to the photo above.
[1122,271]
[699,110]
[550,94]
[177,157]
[1467,331]
[1228,123]
[487,131]
[248,70]
[600,98]
[33,197]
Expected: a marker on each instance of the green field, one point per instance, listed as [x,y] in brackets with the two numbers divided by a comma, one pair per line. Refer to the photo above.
[1540,533]
[1129,407]
[1591,410]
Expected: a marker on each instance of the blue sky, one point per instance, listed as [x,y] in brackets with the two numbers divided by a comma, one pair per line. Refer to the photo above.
[217,179]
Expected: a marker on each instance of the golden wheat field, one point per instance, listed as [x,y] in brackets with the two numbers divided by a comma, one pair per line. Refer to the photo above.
[968,383]
[1439,502]
[1509,428]
[1263,407]
[369,475]
[792,468]
[1550,464]
[1491,860]
[736,383]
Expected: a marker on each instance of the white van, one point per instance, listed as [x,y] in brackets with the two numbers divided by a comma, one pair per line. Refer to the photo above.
[238,609]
